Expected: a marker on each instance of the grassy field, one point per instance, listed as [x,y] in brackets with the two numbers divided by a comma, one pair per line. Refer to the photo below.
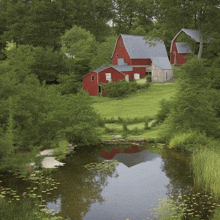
[144,103]
[139,104]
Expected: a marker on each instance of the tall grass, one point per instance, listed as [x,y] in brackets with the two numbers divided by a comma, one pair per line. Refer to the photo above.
[206,168]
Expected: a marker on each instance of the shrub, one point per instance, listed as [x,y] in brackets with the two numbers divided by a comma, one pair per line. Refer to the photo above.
[165,108]
[216,215]
[148,78]
[190,139]
[120,88]
[125,127]
[61,150]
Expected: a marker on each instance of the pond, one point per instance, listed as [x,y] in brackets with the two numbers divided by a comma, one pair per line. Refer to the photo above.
[119,183]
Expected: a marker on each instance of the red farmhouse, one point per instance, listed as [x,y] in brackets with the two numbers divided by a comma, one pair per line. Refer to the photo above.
[132,58]
[178,49]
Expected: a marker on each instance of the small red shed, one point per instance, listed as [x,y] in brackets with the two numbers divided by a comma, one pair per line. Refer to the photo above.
[92,80]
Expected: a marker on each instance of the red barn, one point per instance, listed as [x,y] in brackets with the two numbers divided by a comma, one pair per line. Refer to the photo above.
[132,58]
[178,49]
[92,80]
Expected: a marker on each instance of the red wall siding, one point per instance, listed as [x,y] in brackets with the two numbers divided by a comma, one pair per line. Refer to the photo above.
[115,76]
[122,53]
[180,57]
[140,70]
[89,85]
[141,61]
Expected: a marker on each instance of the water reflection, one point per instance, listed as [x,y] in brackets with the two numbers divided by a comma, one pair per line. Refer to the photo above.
[126,191]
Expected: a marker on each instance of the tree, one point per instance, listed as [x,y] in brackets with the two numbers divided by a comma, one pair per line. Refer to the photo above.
[37,23]
[202,15]
[23,60]
[80,45]
[104,53]
[192,107]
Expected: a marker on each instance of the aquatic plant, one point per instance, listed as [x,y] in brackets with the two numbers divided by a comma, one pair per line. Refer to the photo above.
[28,205]
[206,169]
[105,165]
[167,210]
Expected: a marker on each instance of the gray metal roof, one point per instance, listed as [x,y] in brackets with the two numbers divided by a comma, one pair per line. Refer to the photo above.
[138,48]
[121,68]
[183,47]
[162,62]
[194,34]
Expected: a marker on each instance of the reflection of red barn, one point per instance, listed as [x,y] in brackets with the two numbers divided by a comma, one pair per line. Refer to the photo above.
[110,155]
[132,58]
[179,50]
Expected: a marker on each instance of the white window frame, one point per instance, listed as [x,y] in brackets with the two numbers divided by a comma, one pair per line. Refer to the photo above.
[93,78]
[108,77]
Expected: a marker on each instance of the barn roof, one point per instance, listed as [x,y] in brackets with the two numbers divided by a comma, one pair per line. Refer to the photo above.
[183,47]
[117,67]
[194,34]
[162,62]
[138,48]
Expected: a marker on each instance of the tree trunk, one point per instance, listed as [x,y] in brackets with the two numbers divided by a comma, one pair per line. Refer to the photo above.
[200,48]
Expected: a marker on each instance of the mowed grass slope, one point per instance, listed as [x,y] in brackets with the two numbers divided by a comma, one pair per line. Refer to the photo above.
[142,103]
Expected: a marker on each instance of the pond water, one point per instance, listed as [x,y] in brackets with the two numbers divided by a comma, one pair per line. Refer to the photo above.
[127,191]
[112,191]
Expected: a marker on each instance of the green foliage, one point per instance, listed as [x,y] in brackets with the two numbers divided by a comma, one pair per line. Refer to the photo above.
[104,53]
[216,215]
[125,127]
[61,150]
[24,60]
[165,108]
[188,140]
[68,84]
[120,88]
[33,115]
[192,108]
[79,44]
[206,168]
[168,210]
[148,78]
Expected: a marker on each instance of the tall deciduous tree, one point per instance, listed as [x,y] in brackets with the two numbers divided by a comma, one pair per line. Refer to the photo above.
[104,53]
[79,45]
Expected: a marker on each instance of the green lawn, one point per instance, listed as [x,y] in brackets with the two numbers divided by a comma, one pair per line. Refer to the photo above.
[139,104]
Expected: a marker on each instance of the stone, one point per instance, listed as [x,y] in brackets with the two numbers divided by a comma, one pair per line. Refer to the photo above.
[51,162]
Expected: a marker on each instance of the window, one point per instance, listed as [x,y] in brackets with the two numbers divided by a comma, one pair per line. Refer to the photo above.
[121,43]
[93,78]
[108,77]
[116,54]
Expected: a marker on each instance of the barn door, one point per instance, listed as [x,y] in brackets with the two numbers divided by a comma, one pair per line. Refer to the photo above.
[100,91]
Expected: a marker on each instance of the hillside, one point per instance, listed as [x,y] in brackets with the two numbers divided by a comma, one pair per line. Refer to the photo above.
[142,103]
[133,110]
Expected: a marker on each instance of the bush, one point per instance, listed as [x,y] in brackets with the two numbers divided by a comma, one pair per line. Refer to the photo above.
[61,150]
[120,88]
[148,78]
[190,140]
[216,215]
[125,127]
[165,108]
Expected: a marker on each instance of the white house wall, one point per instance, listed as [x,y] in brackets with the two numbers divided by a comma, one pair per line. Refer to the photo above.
[161,75]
